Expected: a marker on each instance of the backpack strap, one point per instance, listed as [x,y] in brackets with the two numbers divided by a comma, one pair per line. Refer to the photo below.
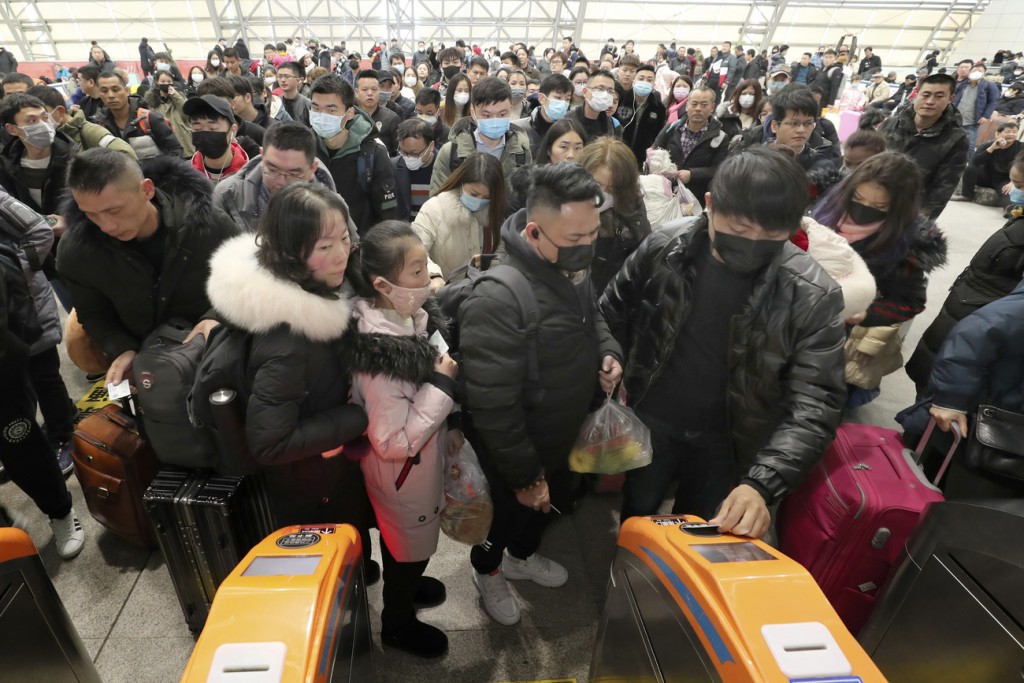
[513,280]
[142,118]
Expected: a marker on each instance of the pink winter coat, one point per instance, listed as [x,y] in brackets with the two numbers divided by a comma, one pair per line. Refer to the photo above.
[406,419]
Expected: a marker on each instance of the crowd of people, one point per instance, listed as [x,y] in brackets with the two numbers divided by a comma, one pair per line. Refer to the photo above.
[323,209]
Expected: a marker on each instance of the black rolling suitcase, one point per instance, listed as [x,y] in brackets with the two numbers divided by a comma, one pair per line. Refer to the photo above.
[205,523]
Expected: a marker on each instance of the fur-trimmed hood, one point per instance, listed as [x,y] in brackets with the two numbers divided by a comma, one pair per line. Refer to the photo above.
[375,347]
[248,296]
[186,195]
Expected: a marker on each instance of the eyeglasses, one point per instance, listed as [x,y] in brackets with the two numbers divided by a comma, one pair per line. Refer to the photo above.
[601,88]
[271,172]
[799,125]
[287,77]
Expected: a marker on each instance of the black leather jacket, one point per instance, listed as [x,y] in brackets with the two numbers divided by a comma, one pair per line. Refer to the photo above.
[787,385]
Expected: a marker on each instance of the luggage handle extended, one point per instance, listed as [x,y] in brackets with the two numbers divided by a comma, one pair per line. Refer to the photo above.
[926,437]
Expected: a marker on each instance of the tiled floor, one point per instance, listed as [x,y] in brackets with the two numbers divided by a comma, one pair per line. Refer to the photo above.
[122,603]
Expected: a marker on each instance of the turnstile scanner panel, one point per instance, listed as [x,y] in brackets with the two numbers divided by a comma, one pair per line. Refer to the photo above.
[686,603]
[294,610]
[954,609]
[38,642]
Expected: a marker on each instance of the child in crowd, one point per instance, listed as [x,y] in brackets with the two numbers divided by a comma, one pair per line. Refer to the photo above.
[407,386]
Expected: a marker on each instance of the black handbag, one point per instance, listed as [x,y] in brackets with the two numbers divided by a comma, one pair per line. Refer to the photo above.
[996,444]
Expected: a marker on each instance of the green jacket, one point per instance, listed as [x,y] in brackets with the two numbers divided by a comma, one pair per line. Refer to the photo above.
[516,152]
[88,134]
[173,110]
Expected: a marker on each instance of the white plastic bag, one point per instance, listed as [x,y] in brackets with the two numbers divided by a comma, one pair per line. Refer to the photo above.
[468,508]
[613,440]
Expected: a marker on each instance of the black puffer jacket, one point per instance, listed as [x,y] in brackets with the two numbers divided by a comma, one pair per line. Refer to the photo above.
[621,233]
[640,131]
[710,152]
[118,296]
[53,187]
[787,386]
[940,152]
[993,273]
[522,434]
[298,406]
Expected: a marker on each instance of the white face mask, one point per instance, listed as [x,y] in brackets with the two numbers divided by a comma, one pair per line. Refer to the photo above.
[975,76]
[270,81]
[746,101]
[680,93]
[577,89]
[600,101]
[461,98]
[429,119]
[198,78]
[214,63]
[410,81]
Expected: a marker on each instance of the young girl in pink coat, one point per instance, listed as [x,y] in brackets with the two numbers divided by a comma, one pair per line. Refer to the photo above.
[407,389]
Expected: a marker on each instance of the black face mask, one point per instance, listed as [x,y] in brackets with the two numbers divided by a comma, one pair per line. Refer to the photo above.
[450,72]
[862,214]
[572,259]
[164,87]
[353,64]
[210,143]
[745,256]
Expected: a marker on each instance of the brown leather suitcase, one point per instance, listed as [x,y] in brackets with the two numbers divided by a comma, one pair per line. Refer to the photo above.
[114,466]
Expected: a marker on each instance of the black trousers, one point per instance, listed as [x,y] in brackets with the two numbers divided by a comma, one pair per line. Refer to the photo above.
[52,394]
[975,176]
[400,580]
[24,451]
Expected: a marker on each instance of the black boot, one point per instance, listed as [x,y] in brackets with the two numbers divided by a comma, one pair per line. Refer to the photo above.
[416,638]
[429,593]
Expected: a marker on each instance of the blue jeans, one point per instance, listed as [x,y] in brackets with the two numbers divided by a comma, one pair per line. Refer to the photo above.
[703,463]
[972,138]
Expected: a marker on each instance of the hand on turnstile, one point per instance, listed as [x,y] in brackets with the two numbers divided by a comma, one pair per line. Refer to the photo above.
[743,513]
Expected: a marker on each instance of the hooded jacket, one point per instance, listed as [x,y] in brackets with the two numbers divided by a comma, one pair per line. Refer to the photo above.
[147,132]
[1010,106]
[786,387]
[239,194]
[710,152]
[362,172]
[118,296]
[520,431]
[535,126]
[53,187]
[298,404]
[940,152]
[407,404]
[451,234]
[843,264]
[994,271]
[462,142]
[87,134]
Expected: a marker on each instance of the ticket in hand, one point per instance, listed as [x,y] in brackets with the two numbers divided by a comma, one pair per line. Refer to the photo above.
[116,392]
[438,342]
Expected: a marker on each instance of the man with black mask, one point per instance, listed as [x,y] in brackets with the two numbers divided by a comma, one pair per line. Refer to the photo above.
[734,344]
[213,134]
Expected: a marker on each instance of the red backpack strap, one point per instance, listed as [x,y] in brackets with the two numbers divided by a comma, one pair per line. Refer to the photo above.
[142,119]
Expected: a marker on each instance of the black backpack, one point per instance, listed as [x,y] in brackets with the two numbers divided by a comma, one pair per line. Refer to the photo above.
[22,316]
[460,286]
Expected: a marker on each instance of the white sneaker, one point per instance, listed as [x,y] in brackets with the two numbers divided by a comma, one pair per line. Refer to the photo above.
[498,599]
[68,535]
[536,568]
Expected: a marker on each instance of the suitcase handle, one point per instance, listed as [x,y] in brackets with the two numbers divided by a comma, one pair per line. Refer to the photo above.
[926,437]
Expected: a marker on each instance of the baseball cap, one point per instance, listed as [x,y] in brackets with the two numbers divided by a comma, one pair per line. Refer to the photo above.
[780,69]
[208,104]
[385,75]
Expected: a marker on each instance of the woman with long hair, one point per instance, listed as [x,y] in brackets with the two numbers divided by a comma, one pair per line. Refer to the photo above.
[564,141]
[579,77]
[456,100]
[464,216]
[676,101]
[624,222]
[740,113]
[411,83]
[214,66]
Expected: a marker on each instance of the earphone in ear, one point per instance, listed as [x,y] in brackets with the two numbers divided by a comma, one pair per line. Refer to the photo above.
[536,233]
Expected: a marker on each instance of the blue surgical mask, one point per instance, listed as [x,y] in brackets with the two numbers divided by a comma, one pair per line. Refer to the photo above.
[325,125]
[1016,196]
[556,109]
[474,204]
[163,66]
[643,88]
[493,128]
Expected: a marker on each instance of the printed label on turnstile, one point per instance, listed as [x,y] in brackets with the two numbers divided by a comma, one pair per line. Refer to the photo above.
[669,521]
[299,540]
[832,679]
[317,530]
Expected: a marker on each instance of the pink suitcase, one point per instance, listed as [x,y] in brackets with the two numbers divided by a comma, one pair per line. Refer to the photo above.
[849,520]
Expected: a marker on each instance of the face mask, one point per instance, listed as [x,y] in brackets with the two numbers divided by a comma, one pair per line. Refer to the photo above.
[412,163]
[472,203]
[572,259]
[461,98]
[518,94]
[643,88]
[450,72]
[353,64]
[577,89]
[210,143]
[164,87]
[862,214]
[429,119]
[405,300]
[270,81]
[1016,196]
[410,81]
[493,128]
[975,76]
[163,66]
[197,78]
[325,125]
[745,256]
[214,63]
[609,202]
[680,93]
[556,109]
[775,87]
[40,135]
[384,96]
[600,101]
[746,101]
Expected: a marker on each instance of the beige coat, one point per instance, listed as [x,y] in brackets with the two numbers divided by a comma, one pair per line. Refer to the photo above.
[883,347]
[451,234]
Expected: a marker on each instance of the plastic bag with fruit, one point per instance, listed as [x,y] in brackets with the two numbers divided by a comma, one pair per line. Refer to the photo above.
[468,508]
[613,439]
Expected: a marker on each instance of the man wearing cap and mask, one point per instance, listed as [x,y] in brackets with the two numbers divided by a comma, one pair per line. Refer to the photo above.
[390,81]
[213,135]
[734,345]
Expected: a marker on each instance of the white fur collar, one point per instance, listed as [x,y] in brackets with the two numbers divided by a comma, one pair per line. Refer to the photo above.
[247,296]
